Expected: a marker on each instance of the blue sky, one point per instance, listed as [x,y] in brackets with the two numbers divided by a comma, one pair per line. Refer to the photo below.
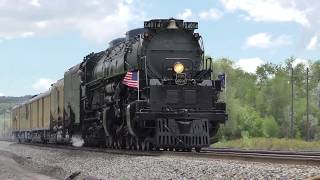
[40,39]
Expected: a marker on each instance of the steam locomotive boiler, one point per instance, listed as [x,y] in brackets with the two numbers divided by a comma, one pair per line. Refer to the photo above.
[150,90]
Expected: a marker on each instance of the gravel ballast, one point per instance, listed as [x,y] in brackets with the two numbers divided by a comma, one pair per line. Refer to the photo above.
[61,163]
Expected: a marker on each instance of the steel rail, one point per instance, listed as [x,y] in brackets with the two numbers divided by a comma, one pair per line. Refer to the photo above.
[286,152]
[274,156]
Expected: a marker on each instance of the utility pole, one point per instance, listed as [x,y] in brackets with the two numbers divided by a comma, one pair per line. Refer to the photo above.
[4,122]
[10,125]
[308,126]
[291,123]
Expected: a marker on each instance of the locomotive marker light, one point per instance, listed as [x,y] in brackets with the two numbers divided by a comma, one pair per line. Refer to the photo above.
[196,36]
[178,67]
[146,35]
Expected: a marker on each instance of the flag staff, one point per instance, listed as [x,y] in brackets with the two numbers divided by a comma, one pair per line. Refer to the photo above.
[138,85]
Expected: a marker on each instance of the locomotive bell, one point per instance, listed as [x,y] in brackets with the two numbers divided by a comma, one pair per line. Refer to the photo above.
[172,24]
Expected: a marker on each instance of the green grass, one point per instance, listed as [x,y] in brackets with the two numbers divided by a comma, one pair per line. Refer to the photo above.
[270,144]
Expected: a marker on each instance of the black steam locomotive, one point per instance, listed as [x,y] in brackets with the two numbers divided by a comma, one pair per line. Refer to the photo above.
[150,90]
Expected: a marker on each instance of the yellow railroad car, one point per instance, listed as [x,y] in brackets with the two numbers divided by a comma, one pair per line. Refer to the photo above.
[35,114]
[32,119]
[40,113]
[23,117]
[46,111]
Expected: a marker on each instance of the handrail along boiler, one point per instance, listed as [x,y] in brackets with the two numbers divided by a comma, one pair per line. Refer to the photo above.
[173,105]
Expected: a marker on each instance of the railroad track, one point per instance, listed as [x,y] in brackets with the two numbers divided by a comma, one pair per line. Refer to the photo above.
[274,156]
[287,157]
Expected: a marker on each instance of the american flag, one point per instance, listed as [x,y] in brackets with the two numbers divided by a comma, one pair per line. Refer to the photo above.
[131,79]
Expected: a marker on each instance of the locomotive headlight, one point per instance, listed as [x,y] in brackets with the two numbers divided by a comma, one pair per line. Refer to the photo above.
[178,67]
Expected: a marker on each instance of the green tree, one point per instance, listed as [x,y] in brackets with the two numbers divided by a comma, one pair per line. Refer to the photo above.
[259,103]
[270,127]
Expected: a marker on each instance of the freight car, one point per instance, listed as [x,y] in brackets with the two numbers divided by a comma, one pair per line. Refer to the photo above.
[150,90]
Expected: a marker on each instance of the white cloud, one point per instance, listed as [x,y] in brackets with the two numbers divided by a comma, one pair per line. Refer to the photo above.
[98,20]
[300,61]
[304,13]
[268,10]
[27,34]
[35,3]
[312,45]
[1,94]
[42,24]
[249,64]
[186,14]
[110,26]
[211,14]
[42,85]
[261,40]
[129,1]
[265,40]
